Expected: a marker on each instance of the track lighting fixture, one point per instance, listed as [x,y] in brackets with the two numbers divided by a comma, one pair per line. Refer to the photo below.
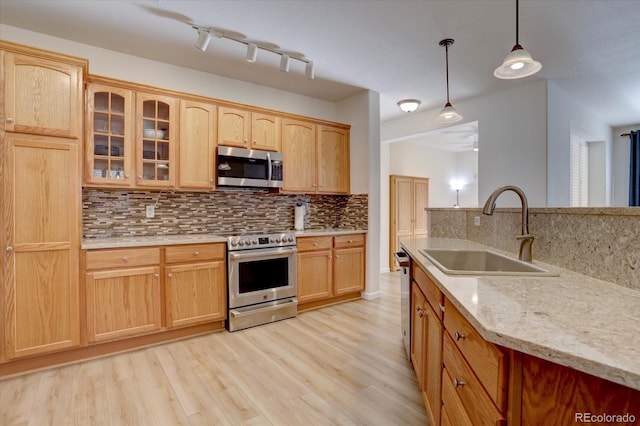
[448,113]
[284,62]
[518,63]
[409,105]
[204,37]
[309,71]
[252,52]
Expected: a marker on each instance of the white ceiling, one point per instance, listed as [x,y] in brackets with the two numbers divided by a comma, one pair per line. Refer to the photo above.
[590,48]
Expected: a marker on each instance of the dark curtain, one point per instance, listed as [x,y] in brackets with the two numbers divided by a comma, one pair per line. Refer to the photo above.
[634,170]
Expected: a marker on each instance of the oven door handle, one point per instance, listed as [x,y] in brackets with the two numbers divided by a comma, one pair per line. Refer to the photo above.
[248,254]
[237,314]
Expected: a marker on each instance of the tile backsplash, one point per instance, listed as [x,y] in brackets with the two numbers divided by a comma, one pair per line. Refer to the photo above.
[119,213]
[599,242]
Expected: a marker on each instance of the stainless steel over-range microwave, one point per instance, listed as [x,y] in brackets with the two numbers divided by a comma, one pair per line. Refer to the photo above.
[248,167]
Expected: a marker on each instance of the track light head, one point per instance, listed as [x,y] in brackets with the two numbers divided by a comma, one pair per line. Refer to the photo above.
[252,52]
[204,37]
[309,71]
[284,62]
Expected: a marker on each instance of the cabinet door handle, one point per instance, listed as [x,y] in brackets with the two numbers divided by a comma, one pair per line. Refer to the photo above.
[458,383]
[458,336]
[156,275]
[350,241]
[139,176]
[196,253]
[125,259]
[169,275]
[337,256]
[329,256]
[441,307]
[9,120]
[9,249]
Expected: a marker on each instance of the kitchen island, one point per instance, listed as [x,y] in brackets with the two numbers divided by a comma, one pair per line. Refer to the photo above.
[573,322]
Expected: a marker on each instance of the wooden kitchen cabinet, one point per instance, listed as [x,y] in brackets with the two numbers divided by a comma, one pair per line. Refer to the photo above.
[109,136]
[197,145]
[426,350]
[156,140]
[41,234]
[123,298]
[315,157]
[299,155]
[42,92]
[333,160]
[330,267]
[196,284]
[246,129]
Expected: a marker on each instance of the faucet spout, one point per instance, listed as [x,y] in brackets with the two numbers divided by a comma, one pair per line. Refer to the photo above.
[525,239]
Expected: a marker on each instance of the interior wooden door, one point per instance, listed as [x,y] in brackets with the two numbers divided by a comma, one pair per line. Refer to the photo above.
[401,214]
[420,204]
[41,215]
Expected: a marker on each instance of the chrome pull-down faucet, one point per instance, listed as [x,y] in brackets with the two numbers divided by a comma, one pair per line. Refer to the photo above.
[525,239]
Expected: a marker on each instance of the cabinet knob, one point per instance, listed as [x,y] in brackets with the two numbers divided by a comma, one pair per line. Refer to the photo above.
[441,307]
[126,176]
[458,383]
[196,253]
[139,176]
[211,180]
[458,336]
[9,249]
[337,256]
[329,256]
[9,119]
[156,275]
[125,259]
[350,241]
[170,275]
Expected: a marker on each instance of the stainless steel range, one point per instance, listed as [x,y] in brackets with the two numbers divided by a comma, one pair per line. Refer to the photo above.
[262,277]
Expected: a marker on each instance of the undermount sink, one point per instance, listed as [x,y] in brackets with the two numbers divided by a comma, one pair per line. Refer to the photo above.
[481,262]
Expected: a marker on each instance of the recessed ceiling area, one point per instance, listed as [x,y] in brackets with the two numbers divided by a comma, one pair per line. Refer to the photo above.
[390,47]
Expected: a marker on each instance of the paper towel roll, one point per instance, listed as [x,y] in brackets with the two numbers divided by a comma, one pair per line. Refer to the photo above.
[299,218]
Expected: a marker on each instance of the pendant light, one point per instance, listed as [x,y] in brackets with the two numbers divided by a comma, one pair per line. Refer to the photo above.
[518,63]
[448,113]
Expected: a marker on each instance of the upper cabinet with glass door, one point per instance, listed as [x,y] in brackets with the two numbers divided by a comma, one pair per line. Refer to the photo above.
[108,150]
[156,137]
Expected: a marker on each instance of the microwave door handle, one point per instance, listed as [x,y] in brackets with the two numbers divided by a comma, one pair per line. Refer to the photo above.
[269,167]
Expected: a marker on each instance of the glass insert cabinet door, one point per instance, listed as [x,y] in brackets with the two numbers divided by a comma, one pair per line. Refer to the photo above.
[156,139]
[108,142]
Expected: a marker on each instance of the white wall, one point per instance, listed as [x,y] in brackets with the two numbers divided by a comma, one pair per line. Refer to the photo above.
[563,113]
[512,130]
[363,112]
[620,158]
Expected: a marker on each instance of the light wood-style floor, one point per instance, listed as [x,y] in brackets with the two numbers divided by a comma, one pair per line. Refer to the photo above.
[343,365]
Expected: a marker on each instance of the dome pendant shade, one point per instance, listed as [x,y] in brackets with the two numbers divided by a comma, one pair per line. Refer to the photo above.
[517,64]
[448,114]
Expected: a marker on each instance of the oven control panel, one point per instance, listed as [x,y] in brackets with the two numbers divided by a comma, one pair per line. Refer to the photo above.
[244,242]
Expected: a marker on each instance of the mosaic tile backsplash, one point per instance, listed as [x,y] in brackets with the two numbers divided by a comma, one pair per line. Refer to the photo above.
[602,243]
[115,213]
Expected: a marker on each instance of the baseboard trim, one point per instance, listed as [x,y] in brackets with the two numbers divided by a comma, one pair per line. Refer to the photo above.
[371,295]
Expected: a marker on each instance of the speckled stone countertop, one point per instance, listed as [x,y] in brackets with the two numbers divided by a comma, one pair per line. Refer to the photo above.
[165,240]
[574,320]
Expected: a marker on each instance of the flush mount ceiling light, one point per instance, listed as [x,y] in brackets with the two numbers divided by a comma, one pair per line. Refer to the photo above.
[448,113]
[518,63]
[409,105]
[204,37]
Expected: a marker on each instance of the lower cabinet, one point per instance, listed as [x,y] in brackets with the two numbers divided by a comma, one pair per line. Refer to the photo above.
[195,290]
[330,267]
[123,298]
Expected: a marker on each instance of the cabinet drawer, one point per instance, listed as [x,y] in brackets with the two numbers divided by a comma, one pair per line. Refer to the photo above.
[430,290]
[194,252]
[461,386]
[488,362]
[314,243]
[107,259]
[352,240]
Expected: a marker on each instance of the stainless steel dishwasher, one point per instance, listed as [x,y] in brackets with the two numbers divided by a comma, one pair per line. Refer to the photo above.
[405,298]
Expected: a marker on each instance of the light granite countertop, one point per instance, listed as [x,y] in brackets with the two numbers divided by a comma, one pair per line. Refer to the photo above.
[165,240]
[574,320]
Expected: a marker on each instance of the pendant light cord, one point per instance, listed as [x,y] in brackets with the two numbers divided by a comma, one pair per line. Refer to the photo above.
[517,14]
[446,50]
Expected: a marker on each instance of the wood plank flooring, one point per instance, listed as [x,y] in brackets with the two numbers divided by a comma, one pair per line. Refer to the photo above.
[342,365]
